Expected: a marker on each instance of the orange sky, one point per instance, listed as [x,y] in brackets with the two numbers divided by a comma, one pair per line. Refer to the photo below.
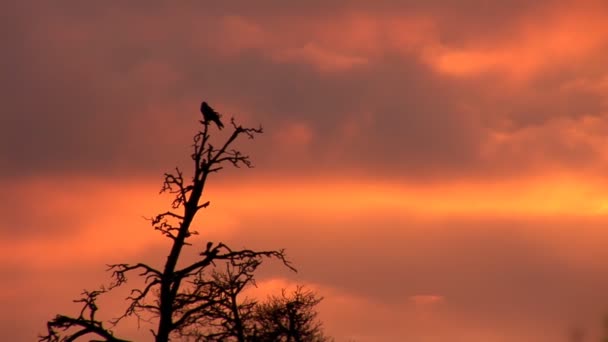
[437,171]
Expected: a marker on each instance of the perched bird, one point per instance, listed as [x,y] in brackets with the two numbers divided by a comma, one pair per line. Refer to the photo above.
[211,115]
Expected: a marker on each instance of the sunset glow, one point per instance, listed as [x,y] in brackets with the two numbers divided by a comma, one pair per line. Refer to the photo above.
[437,171]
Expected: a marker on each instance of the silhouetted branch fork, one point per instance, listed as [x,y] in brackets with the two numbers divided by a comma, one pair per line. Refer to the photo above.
[223,287]
[204,291]
[174,183]
[137,302]
[120,270]
[87,325]
[234,271]
[161,223]
[89,303]
[159,217]
[193,314]
[238,130]
[246,253]
[227,319]
[137,295]
[249,131]
[170,182]
[233,256]
[235,157]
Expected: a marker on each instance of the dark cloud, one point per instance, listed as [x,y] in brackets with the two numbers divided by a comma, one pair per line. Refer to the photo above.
[109,89]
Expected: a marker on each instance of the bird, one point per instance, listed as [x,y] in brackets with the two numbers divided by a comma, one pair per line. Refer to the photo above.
[211,115]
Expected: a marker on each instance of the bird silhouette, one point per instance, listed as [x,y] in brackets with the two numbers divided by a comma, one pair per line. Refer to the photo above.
[211,115]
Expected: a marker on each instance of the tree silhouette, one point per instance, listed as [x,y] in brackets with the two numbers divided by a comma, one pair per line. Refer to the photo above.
[289,318]
[199,301]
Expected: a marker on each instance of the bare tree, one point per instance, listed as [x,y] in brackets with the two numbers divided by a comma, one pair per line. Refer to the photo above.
[289,318]
[199,301]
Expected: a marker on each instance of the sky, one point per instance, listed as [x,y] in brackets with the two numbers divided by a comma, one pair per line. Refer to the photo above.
[436,170]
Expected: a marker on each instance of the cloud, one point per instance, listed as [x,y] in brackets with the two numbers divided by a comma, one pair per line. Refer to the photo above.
[323,59]
[91,97]
[566,35]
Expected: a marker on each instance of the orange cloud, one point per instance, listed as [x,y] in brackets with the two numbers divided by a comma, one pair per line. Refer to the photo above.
[559,195]
[294,134]
[109,215]
[426,300]
[324,59]
[562,36]
[239,34]
[580,140]
[552,36]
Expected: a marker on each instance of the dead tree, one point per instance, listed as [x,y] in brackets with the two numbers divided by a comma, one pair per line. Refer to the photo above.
[198,300]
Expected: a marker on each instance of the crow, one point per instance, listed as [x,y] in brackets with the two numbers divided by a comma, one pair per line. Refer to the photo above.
[211,115]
